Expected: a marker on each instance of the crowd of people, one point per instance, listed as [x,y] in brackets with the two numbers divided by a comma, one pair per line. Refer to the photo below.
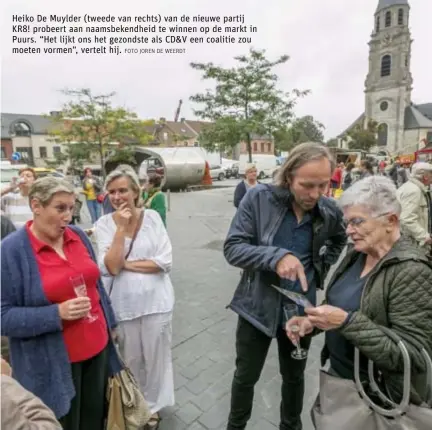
[70,319]
[72,316]
[288,234]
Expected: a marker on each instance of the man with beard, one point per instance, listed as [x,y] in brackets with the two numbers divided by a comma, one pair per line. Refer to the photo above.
[287,234]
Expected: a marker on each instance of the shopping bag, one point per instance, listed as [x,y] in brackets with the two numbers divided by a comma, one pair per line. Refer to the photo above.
[127,408]
[343,404]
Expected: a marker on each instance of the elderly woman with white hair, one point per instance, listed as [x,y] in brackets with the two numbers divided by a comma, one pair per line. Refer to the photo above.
[384,281]
[416,204]
[55,311]
[134,248]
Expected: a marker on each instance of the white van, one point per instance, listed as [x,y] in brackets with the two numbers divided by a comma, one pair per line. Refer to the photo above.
[265,164]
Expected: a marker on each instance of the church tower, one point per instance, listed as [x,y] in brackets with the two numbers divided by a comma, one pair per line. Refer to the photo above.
[389,81]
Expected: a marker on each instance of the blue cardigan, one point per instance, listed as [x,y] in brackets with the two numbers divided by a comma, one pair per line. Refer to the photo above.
[38,354]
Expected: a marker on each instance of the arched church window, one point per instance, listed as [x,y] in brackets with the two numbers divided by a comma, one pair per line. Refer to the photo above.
[388,19]
[400,17]
[386,66]
[382,134]
[377,24]
[20,128]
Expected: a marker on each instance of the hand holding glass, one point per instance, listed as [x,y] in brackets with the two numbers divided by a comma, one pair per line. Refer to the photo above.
[291,310]
[80,288]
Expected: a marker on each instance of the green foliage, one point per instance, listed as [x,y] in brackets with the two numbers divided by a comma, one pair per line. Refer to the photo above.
[125,155]
[244,102]
[90,125]
[304,129]
[59,159]
[362,138]
[332,143]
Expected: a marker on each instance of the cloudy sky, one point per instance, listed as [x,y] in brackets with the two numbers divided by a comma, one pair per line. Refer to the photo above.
[326,42]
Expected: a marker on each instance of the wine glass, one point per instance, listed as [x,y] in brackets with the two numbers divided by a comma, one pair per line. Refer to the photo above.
[291,310]
[80,288]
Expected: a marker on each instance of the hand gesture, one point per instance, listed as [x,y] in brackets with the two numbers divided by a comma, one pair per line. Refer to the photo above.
[304,327]
[326,317]
[289,267]
[122,216]
[74,309]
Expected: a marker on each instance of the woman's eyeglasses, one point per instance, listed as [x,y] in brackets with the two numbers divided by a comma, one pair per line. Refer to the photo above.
[358,221]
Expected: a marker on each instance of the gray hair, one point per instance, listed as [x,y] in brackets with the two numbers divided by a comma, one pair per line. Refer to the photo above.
[376,193]
[298,157]
[44,189]
[126,171]
[420,169]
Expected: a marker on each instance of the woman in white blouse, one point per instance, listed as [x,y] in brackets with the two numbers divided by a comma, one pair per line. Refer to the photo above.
[141,293]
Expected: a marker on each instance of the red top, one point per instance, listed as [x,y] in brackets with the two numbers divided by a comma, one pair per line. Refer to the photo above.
[83,339]
[337,175]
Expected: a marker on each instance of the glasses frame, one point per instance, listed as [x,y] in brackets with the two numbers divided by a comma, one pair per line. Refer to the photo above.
[357,222]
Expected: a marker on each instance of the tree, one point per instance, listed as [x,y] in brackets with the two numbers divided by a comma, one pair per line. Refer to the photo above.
[245,101]
[304,129]
[89,125]
[332,143]
[59,159]
[361,137]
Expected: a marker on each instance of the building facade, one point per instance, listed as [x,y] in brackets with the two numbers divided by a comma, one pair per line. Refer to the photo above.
[403,126]
[29,135]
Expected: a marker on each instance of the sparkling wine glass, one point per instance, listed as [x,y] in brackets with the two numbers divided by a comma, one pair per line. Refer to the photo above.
[80,288]
[291,310]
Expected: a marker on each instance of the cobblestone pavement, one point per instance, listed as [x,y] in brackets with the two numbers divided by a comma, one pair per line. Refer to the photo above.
[204,331]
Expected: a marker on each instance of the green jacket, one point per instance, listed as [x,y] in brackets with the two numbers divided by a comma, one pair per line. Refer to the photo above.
[157,202]
[398,295]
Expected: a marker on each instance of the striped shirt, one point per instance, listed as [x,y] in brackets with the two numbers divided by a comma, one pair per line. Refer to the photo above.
[16,207]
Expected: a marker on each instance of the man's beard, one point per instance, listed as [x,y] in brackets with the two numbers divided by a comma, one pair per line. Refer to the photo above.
[306,206]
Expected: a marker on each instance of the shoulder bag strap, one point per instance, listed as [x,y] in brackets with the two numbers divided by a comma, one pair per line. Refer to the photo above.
[137,229]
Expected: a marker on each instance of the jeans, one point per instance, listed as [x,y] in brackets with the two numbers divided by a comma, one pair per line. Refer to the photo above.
[94,209]
[252,347]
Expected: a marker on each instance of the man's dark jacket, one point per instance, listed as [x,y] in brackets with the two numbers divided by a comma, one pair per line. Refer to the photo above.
[249,245]
[7,226]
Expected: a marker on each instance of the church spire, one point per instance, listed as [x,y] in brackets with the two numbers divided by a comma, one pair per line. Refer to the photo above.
[389,82]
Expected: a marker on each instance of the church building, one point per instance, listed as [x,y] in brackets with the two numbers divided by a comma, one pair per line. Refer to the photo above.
[403,126]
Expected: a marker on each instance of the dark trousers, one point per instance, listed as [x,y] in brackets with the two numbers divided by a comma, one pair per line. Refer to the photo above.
[252,347]
[88,407]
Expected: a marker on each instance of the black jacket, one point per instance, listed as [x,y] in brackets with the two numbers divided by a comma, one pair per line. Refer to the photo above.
[7,226]
[239,193]
[249,246]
